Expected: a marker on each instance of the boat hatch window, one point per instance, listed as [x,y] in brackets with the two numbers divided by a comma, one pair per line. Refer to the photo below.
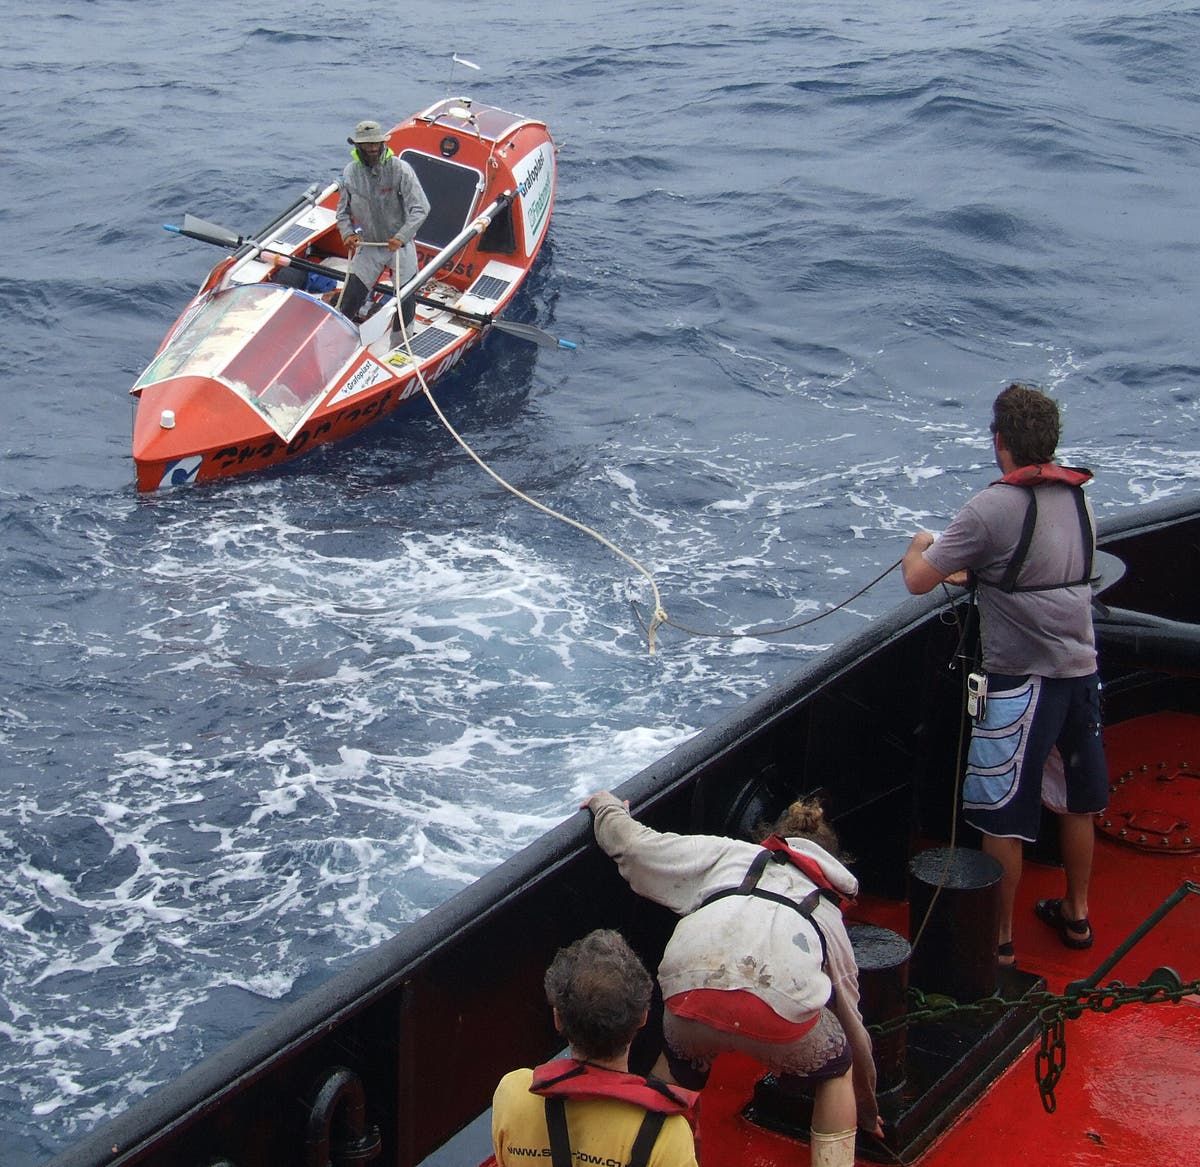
[500,236]
[452,190]
[275,348]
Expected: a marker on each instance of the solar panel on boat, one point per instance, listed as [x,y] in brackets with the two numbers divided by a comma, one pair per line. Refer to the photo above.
[428,342]
[489,288]
[296,233]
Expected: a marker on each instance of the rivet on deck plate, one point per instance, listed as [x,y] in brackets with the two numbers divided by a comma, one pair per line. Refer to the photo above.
[1141,838]
[1123,832]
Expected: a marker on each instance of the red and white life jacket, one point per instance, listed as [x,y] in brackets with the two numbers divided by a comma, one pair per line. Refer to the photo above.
[567,1078]
[1029,478]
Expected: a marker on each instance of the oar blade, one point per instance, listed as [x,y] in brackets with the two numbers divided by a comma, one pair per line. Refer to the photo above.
[207,232]
[532,333]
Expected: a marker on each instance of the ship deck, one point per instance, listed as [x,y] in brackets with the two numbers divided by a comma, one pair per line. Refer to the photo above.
[1130,1089]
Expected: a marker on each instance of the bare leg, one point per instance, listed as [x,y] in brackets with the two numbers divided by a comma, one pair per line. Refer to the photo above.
[834,1107]
[1010,855]
[1078,838]
[662,1070]
[834,1123]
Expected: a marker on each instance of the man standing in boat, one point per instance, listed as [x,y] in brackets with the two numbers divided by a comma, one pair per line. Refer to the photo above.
[380,210]
[1026,543]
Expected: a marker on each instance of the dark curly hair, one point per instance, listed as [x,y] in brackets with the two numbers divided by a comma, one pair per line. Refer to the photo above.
[601,991]
[1028,421]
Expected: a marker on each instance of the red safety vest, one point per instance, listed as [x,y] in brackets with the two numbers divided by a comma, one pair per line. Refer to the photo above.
[566,1078]
[1040,473]
[1028,478]
[805,864]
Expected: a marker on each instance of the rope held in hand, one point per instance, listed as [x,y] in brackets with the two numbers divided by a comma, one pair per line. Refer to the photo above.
[659,616]
[757,633]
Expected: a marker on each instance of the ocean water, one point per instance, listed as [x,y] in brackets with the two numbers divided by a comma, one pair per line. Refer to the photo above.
[249,730]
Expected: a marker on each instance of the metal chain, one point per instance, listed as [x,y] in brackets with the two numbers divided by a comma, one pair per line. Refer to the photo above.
[1051,1061]
[1050,1006]
[1054,1010]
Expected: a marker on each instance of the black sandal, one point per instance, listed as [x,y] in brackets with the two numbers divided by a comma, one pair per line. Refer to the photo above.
[1073,933]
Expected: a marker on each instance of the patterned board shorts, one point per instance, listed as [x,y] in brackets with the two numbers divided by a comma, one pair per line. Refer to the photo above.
[692,1046]
[1010,768]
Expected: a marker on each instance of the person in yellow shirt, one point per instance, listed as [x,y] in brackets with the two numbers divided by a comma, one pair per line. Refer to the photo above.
[587,1107]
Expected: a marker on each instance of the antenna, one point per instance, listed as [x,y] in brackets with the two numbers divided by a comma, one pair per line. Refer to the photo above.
[455,59]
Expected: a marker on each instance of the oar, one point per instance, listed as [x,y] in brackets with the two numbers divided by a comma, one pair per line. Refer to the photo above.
[219,236]
[525,331]
[530,332]
[206,232]
[308,198]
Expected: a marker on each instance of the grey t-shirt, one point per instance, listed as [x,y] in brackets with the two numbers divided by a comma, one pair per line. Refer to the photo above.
[1045,633]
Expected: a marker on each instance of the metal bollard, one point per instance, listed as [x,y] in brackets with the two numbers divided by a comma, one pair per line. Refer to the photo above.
[882,957]
[954,906]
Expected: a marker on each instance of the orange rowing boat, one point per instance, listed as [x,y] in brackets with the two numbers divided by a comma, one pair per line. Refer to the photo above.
[261,367]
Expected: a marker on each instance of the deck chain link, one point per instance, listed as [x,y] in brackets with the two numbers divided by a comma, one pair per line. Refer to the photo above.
[1053,1009]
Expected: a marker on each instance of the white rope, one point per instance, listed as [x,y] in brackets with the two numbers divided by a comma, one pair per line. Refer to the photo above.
[346,279]
[659,616]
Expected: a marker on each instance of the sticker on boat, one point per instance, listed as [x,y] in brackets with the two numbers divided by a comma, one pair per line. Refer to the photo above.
[371,373]
[181,473]
[535,186]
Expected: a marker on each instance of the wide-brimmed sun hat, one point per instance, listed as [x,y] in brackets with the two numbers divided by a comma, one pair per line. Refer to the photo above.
[366,133]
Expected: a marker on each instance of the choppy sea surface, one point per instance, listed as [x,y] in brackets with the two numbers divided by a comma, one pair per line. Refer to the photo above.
[249,730]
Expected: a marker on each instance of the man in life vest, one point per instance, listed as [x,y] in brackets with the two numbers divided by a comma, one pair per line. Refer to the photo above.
[1027,542]
[760,962]
[380,210]
[588,1107]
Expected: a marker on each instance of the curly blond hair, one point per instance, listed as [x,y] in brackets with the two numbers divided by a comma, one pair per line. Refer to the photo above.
[804,819]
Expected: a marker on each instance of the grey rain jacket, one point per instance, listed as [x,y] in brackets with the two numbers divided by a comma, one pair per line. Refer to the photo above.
[384,201]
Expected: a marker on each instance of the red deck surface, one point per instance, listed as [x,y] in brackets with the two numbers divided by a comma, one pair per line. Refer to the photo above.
[1130,1092]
